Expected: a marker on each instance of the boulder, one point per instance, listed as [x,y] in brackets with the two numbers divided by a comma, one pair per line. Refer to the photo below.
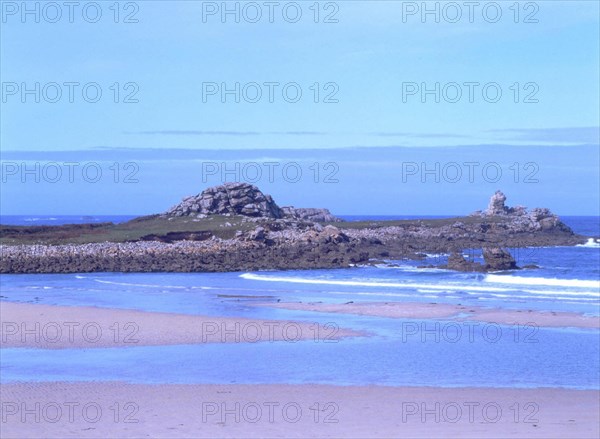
[497,259]
[456,261]
[258,234]
[332,234]
[310,214]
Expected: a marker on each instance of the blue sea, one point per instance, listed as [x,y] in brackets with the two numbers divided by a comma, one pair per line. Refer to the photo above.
[392,354]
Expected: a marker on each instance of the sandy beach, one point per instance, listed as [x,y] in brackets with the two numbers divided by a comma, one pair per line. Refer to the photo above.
[58,327]
[109,409]
[416,310]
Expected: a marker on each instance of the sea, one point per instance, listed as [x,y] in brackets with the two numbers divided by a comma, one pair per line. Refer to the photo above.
[390,351]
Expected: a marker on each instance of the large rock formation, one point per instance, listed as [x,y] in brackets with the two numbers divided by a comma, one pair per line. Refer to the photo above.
[228,199]
[246,200]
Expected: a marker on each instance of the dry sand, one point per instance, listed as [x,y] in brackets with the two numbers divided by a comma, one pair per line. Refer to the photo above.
[59,327]
[102,410]
[416,310]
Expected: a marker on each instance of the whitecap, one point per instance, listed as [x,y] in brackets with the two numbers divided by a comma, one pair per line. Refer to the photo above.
[591,243]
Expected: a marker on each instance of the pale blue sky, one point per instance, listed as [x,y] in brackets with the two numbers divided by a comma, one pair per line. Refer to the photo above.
[370,134]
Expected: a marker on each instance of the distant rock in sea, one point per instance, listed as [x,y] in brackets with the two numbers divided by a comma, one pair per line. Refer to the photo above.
[246,200]
[495,259]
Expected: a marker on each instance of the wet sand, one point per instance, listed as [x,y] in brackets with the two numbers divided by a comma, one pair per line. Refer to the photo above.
[418,310]
[112,409]
[58,327]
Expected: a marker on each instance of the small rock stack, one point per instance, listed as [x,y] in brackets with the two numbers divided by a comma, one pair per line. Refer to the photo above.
[496,205]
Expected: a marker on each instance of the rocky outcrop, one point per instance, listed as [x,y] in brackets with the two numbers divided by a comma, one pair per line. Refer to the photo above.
[228,199]
[310,214]
[495,259]
[521,220]
[260,248]
[246,200]
[265,236]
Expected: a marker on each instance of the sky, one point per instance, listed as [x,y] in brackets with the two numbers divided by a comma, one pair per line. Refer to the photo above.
[364,107]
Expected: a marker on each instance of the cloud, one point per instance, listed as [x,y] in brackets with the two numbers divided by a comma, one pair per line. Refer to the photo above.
[294,133]
[589,135]
[419,135]
[222,133]
[193,133]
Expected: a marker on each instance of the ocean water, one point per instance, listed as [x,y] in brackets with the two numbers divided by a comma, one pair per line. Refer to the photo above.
[56,220]
[568,280]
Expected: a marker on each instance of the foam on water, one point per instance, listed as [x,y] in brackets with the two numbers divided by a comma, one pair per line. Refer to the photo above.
[370,283]
[520,280]
[125,284]
[591,243]
[508,287]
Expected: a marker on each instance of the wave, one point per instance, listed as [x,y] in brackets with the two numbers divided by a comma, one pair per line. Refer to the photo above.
[125,284]
[545,297]
[180,287]
[411,268]
[40,219]
[371,283]
[470,289]
[535,281]
[567,293]
[591,243]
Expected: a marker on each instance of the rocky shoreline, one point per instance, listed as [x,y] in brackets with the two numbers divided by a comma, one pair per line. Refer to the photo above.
[250,252]
[266,236]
